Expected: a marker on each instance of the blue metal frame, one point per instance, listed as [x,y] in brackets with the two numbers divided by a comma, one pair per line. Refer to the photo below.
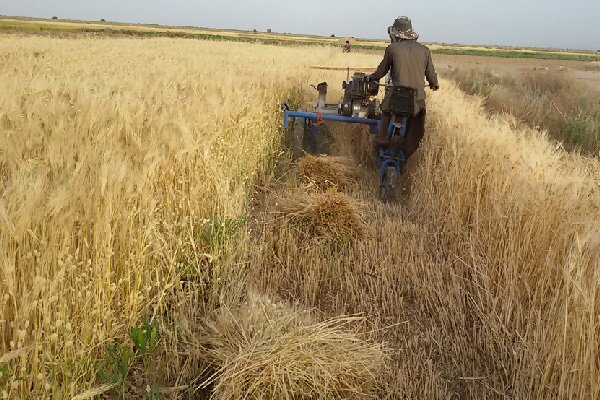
[374,123]
[387,158]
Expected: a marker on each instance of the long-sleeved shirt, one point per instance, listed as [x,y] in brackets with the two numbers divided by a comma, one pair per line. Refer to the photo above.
[410,63]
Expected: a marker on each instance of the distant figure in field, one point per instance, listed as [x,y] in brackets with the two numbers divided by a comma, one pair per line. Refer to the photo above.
[347,48]
[409,63]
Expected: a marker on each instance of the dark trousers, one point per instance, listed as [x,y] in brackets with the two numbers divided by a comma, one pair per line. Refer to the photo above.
[414,132]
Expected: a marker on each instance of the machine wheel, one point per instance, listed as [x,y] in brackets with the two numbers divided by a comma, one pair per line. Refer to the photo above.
[387,189]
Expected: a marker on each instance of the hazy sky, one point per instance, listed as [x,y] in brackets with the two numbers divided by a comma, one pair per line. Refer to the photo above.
[543,23]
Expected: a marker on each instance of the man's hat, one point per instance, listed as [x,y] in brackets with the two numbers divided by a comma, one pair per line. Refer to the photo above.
[403,29]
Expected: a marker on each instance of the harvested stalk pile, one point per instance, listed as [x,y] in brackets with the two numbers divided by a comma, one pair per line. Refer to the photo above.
[326,171]
[328,214]
[264,350]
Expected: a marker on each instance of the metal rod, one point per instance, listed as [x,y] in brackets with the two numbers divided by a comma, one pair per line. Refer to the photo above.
[342,68]
[327,117]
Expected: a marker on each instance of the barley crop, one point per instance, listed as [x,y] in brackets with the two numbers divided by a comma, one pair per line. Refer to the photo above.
[139,188]
[125,167]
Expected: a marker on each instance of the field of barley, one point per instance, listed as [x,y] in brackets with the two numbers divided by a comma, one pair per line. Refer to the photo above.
[158,240]
[70,28]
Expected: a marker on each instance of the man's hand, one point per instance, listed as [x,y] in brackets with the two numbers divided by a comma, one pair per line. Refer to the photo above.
[434,88]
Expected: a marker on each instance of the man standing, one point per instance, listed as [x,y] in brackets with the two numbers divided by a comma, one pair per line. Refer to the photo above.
[410,63]
[346,48]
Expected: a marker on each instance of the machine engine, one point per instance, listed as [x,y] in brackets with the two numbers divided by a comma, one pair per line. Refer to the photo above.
[358,98]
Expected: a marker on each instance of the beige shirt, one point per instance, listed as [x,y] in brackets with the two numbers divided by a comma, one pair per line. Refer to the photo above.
[410,63]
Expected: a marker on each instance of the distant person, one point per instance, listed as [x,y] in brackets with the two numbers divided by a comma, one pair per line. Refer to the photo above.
[409,63]
[347,48]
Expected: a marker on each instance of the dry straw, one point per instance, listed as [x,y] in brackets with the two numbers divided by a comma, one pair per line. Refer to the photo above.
[329,214]
[95,392]
[498,276]
[265,350]
[327,171]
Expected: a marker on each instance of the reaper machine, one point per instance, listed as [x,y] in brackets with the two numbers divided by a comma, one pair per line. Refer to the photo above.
[360,105]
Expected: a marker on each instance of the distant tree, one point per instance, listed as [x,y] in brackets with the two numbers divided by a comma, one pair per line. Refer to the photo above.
[55,17]
[254,30]
[102,20]
[332,35]
[269,30]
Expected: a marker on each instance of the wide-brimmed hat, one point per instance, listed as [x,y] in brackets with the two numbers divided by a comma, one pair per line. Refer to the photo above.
[403,29]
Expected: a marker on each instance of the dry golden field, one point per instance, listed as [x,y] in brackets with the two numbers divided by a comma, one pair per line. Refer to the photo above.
[60,27]
[154,241]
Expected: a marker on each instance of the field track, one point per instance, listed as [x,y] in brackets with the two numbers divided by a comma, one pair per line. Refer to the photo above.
[438,267]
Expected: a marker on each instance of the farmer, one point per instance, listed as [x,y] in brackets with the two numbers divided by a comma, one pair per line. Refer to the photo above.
[409,63]
[347,48]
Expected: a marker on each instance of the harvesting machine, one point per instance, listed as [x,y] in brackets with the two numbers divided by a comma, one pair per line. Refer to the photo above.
[360,105]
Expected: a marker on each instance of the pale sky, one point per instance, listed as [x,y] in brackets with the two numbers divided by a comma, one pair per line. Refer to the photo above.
[533,23]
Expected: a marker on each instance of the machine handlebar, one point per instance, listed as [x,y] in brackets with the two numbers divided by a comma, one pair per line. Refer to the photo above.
[386,85]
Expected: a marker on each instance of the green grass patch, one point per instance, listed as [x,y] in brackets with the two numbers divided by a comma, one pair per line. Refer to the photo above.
[557,103]
[31,27]
[542,55]
[592,66]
